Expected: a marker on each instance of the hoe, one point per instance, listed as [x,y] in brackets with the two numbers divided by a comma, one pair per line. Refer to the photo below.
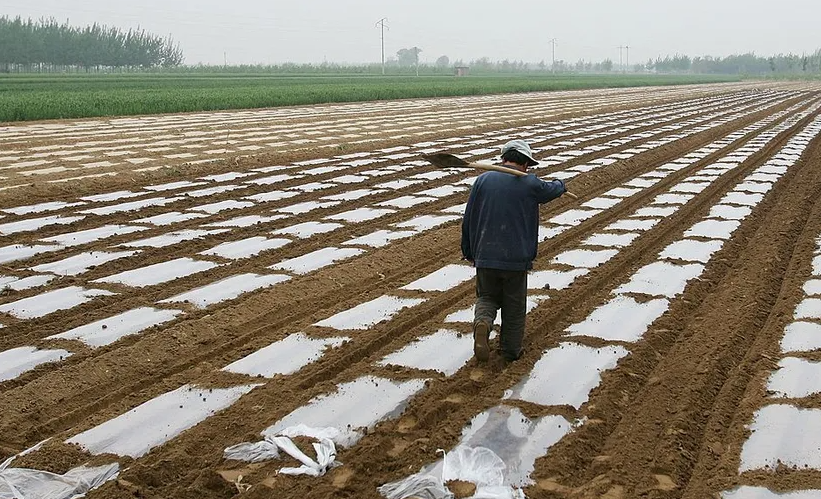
[443,160]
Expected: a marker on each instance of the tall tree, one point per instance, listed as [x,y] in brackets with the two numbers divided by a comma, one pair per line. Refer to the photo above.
[408,57]
[47,43]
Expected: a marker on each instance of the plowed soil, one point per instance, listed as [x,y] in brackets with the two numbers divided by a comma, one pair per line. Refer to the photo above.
[669,421]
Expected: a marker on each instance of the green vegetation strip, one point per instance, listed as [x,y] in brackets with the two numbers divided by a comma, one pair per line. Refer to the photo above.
[40,97]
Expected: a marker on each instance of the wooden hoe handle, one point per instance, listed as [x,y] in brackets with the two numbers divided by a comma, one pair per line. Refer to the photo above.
[512,171]
[497,168]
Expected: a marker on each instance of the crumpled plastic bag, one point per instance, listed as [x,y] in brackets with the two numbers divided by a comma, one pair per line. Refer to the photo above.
[271,446]
[253,452]
[421,485]
[478,465]
[498,492]
[23,483]
[267,449]
[342,438]
[325,457]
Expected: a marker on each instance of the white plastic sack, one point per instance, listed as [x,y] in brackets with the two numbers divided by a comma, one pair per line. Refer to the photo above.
[272,445]
[477,465]
[22,483]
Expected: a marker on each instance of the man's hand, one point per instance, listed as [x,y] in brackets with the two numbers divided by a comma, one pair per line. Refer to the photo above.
[564,185]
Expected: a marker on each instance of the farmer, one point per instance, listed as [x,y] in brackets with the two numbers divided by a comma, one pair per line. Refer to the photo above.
[499,236]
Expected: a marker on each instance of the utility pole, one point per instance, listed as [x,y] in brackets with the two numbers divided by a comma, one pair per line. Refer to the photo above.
[628,57]
[381,24]
[225,58]
[416,51]
[621,60]
[553,43]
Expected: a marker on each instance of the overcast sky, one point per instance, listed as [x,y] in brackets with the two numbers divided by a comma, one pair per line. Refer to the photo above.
[275,31]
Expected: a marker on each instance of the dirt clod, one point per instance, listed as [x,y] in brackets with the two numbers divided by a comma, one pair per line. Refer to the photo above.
[461,489]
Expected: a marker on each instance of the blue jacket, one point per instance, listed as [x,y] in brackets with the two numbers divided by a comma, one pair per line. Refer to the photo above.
[500,228]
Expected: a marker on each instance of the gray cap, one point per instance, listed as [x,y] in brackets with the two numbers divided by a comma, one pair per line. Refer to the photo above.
[522,147]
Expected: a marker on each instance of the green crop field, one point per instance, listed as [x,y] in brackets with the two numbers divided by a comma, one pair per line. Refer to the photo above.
[39,97]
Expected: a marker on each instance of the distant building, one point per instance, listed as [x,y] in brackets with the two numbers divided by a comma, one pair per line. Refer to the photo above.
[461,70]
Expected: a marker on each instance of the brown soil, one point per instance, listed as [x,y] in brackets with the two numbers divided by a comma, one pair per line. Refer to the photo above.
[668,422]
[461,489]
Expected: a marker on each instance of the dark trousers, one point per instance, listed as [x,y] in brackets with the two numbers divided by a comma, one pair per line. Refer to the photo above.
[505,289]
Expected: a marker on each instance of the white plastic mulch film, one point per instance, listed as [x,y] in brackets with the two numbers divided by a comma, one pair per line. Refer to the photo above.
[477,465]
[24,483]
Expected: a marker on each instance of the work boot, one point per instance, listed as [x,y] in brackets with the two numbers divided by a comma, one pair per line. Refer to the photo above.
[481,334]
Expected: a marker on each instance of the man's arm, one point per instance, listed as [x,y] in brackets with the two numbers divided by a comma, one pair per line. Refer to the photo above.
[466,253]
[549,190]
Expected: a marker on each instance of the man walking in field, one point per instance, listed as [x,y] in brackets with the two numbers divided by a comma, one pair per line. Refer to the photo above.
[499,236]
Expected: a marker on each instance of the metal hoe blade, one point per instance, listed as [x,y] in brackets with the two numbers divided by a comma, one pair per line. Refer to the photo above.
[444,160]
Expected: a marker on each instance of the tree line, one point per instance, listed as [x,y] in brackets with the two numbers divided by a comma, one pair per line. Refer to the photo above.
[736,64]
[749,63]
[46,46]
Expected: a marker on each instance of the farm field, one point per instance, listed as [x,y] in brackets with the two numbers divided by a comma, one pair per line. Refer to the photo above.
[48,96]
[176,285]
